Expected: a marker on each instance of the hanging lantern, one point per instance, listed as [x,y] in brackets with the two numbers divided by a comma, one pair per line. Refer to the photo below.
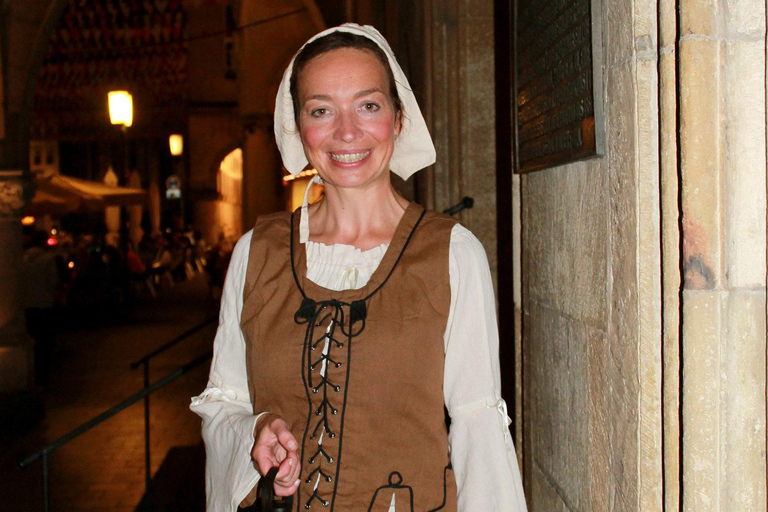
[176,142]
[121,108]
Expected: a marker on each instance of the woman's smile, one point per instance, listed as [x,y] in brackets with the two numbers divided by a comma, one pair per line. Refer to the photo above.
[349,158]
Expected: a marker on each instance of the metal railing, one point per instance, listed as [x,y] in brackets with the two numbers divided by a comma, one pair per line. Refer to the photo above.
[148,389]
[145,362]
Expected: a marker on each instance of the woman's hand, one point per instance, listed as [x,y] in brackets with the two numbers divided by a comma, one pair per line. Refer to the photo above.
[276,446]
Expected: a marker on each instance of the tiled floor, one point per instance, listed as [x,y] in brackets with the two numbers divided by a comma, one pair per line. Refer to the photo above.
[104,468]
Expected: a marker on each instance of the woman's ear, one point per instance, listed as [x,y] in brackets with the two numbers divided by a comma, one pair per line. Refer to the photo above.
[398,123]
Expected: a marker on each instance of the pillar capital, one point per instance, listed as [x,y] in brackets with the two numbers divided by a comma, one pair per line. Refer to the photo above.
[16,191]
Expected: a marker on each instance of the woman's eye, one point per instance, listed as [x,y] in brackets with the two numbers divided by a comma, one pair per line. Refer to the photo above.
[318,112]
[371,107]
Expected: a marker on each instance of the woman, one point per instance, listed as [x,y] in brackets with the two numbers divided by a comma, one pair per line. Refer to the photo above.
[347,326]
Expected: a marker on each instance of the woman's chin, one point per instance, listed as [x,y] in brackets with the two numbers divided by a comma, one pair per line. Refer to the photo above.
[353,178]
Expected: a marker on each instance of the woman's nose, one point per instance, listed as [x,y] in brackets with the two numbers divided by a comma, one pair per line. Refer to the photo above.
[347,127]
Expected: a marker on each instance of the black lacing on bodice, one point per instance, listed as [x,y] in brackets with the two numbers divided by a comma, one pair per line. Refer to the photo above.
[338,322]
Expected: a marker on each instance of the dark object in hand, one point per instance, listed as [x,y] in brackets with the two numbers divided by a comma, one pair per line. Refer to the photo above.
[267,501]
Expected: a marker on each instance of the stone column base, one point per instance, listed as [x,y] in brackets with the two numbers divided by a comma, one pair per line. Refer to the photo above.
[17,368]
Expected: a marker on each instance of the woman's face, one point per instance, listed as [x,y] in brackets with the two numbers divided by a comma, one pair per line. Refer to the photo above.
[347,119]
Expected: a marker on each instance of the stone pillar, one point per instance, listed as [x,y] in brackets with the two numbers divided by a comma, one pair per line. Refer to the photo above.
[262,171]
[723,191]
[16,356]
[670,251]
[459,107]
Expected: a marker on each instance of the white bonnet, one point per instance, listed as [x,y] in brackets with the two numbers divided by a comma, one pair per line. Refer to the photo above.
[413,150]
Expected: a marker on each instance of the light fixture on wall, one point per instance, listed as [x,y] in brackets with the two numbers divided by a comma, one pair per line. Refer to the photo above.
[176,143]
[121,108]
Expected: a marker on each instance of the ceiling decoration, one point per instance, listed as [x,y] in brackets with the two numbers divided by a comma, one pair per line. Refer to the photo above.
[102,45]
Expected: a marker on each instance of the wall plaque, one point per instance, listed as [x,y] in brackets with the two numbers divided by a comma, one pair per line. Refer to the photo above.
[558,82]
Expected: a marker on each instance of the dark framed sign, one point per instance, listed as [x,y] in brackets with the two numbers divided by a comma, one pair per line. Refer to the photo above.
[558,82]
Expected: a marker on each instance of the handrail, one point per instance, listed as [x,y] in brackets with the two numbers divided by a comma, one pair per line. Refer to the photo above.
[43,452]
[145,362]
[466,202]
[117,408]
[173,342]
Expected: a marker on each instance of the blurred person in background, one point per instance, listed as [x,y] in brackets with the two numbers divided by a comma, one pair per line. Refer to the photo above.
[40,282]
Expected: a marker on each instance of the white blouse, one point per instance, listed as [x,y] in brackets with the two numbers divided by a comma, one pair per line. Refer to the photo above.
[482,453]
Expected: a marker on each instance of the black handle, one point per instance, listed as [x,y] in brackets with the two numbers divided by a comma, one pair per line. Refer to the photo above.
[467,202]
[269,502]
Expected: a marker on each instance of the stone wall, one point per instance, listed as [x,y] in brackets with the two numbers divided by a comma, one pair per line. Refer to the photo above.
[591,297]
[723,198]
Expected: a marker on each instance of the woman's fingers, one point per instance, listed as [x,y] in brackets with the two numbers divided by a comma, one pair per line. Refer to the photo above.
[286,481]
[284,436]
[286,491]
[276,446]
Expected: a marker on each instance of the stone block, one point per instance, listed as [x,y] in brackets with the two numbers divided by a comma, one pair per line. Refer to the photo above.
[702,163]
[622,260]
[645,19]
[745,164]
[617,32]
[745,409]
[599,469]
[745,17]
[545,497]
[559,364]
[583,214]
[698,17]
[702,460]
[538,235]
[667,25]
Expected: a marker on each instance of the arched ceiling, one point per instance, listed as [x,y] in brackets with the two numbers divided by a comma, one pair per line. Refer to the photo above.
[144,46]
[100,45]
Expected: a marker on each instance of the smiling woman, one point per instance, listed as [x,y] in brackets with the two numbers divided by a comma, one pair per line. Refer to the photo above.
[353,323]
[347,120]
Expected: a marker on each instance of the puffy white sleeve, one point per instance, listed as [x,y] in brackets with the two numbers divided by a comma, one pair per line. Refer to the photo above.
[482,453]
[225,405]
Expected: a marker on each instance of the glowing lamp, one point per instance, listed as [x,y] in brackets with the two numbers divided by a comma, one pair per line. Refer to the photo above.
[176,142]
[121,108]
[52,241]
[27,221]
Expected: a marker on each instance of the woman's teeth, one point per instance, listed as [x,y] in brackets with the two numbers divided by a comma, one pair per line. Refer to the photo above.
[349,157]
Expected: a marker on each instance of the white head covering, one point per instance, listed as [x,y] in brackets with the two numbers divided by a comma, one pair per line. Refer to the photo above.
[413,150]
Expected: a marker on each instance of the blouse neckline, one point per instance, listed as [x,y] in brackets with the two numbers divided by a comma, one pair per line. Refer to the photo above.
[317,292]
